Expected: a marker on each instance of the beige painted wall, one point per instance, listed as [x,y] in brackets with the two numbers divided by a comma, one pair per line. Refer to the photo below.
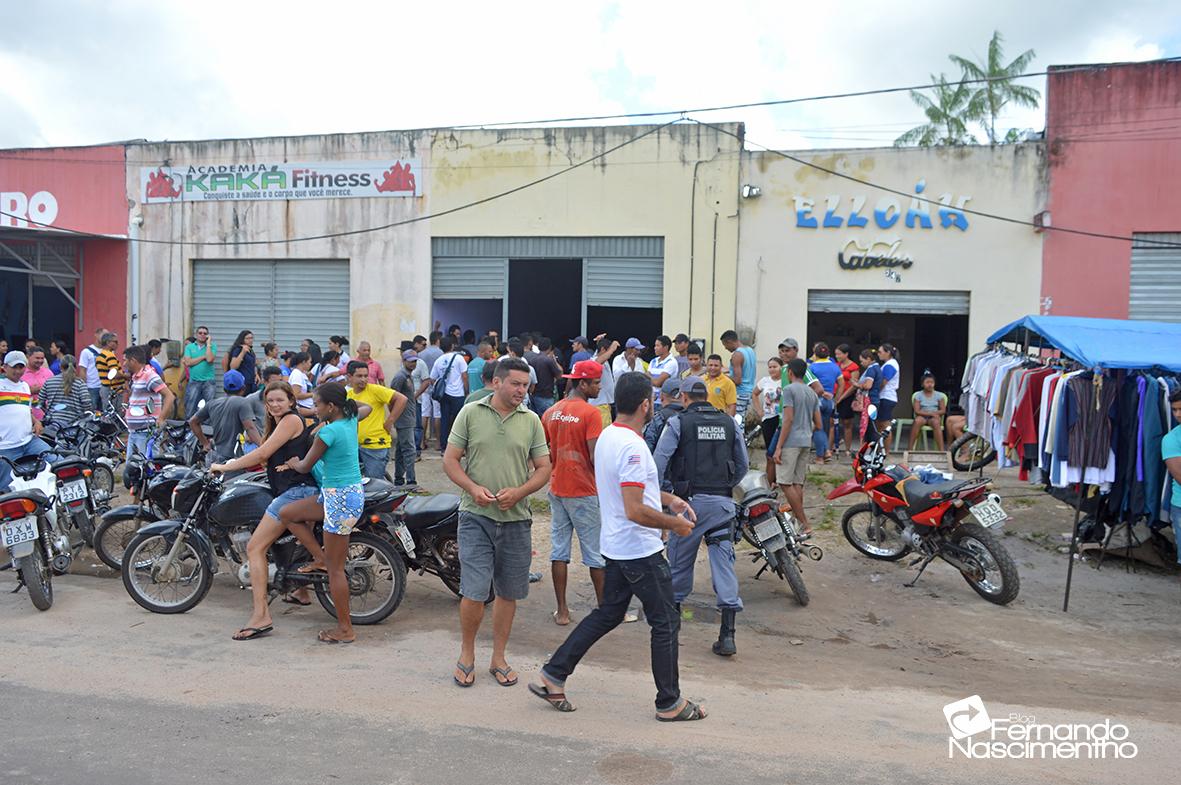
[998,263]
[677,183]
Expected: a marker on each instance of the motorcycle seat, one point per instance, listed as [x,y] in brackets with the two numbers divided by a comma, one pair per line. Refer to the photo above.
[28,493]
[925,495]
[423,511]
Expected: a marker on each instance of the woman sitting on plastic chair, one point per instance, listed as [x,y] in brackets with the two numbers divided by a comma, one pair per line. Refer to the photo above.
[930,406]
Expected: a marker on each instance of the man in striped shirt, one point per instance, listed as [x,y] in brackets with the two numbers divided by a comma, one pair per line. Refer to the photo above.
[18,427]
[106,361]
[148,399]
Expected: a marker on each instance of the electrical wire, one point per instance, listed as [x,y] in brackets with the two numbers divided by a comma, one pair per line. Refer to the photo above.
[366,230]
[964,210]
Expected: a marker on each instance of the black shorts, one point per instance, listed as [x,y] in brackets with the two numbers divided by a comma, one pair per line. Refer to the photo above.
[845,408]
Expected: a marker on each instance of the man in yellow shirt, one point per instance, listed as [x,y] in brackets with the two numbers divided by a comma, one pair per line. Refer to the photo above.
[373,433]
[722,392]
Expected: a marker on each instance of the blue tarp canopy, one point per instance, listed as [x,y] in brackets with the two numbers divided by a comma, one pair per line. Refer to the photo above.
[1105,343]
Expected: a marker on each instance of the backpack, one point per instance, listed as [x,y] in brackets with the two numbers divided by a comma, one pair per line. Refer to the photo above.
[439,388]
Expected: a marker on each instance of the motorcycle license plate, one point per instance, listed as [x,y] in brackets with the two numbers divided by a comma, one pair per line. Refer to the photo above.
[989,514]
[768,529]
[18,531]
[404,536]
[74,491]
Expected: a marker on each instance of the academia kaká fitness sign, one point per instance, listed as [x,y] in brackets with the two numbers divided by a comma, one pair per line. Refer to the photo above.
[258,181]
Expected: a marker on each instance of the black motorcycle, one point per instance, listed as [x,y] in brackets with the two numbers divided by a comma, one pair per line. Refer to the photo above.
[151,482]
[426,530]
[78,499]
[90,437]
[773,536]
[168,566]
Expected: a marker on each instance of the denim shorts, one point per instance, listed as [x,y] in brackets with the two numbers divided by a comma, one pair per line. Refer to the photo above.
[342,508]
[576,514]
[292,494]
[1175,519]
[494,555]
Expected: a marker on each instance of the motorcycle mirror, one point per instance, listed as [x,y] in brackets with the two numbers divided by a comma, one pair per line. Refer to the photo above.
[137,411]
[873,412]
[59,407]
[113,373]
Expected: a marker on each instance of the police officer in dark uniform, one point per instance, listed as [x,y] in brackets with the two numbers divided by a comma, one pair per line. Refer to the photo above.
[701,453]
[670,396]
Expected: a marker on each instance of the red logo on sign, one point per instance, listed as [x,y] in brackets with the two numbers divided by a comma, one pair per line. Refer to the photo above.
[398,178]
[161,186]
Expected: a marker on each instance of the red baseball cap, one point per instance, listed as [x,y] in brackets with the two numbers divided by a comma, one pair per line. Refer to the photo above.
[585,369]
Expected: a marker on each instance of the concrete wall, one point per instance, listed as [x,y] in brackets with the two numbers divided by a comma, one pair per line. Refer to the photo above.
[780,258]
[680,183]
[1114,169]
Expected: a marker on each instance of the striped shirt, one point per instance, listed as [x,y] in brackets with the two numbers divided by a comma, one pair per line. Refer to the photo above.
[143,402]
[16,422]
[105,362]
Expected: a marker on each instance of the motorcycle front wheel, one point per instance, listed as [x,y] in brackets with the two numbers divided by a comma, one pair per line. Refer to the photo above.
[38,579]
[877,536]
[998,582]
[790,572]
[112,537]
[970,452]
[176,588]
[377,580]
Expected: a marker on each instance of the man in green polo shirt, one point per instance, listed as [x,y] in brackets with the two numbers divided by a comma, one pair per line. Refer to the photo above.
[199,358]
[506,460]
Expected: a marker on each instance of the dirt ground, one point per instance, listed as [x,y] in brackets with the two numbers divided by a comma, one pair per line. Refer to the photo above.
[847,689]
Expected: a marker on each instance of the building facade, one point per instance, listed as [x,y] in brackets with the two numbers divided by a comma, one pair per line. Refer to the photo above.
[864,247]
[56,283]
[379,236]
[1115,161]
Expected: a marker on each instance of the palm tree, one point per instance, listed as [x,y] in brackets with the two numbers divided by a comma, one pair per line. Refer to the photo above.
[989,98]
[948,113]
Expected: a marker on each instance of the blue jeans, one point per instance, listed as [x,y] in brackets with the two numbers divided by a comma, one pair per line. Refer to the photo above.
[1175,517]
[541,404]
[650,580]
[33,446]
[404,455]
[373,462]
[96,398]
[450,406]
[197,391]
[418,425]
[137,443]
[820,438]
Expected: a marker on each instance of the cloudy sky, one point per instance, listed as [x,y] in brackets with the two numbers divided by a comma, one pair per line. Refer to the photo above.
[89,72]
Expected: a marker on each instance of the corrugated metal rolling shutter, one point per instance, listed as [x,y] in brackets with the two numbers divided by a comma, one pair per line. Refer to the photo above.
[1155,286]
[548,247]
[311,301]
[926,303]
[625,283]
[283,300]
[473,278]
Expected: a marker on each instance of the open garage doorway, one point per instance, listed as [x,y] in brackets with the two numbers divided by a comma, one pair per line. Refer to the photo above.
[545,298]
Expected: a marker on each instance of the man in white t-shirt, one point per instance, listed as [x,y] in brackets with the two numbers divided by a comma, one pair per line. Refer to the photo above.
[87,360]
[301,363]
[454,368]
[663,366]
[18,427]
[630,503]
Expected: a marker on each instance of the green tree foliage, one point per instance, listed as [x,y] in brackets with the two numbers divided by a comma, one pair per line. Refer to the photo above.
[952,108]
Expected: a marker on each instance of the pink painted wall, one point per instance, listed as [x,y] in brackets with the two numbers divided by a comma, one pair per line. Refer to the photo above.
[1115,165]
[104,290]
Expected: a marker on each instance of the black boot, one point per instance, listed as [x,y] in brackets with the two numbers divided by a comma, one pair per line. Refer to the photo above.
[724,646]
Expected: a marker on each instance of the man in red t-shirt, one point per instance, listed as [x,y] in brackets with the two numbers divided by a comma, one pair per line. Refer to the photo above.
[572,426]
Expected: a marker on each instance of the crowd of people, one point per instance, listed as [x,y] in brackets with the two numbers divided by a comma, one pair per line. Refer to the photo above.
[640,456]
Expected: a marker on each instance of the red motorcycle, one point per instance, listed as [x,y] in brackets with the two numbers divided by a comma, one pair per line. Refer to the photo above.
[906,515]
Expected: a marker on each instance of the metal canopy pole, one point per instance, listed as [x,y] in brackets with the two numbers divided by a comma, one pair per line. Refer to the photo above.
[1078,508]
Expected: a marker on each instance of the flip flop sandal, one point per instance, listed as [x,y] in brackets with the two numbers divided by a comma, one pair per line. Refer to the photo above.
[324,637]
[555,699]
[689,713]
[295,601]
[497,672]
[466,670]
[255,632]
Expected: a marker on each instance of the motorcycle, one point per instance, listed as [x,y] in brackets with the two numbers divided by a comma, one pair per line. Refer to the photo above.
[88,436]
[772,534]
[426,530]
[81,502]
[906,515]
[151,482]
[168,566]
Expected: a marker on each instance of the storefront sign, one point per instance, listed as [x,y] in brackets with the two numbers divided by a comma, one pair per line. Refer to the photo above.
[841,212]
[78,188]
[323,180]
[881,253]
